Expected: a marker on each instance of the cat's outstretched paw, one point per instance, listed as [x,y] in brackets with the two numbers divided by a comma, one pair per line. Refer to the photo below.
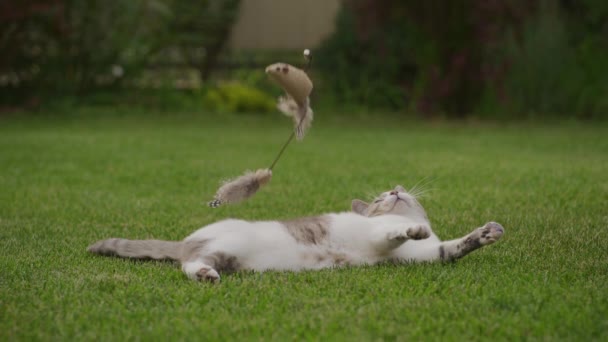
[419,232]
[490,233]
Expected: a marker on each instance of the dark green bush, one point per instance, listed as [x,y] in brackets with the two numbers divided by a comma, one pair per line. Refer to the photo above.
[554,69]
[71,47]
[367,72]
[513,59]
[425,56]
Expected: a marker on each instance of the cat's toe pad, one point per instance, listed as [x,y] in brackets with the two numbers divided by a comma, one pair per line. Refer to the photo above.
[419,232]
[490,233]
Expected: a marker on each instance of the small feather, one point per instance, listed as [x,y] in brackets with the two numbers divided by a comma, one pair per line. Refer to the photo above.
[241,188]
[302,115]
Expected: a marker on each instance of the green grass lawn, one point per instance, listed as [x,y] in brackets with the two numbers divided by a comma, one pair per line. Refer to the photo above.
[67,180]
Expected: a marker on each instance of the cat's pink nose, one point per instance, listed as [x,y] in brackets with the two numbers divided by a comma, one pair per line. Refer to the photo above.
[394,192]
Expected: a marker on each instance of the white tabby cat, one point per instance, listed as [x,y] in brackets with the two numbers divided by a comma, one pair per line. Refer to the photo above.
[394,227]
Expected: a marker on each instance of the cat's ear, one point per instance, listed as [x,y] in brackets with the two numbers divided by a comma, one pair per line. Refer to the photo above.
[359,206]
[400,188]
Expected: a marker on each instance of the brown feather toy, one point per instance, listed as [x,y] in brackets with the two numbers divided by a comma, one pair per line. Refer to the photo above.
[295,104]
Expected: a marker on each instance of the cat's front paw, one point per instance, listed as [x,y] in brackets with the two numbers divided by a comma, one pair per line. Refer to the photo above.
[397,236]
[419,232]
[490,233]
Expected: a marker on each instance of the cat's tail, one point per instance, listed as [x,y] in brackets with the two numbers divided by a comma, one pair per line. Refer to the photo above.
[138,249]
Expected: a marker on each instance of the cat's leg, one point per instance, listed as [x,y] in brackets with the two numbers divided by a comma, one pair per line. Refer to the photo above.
[454,249]
[390,237]
[195,264]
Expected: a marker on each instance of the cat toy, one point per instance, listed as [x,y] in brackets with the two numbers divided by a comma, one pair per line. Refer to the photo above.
[295,104]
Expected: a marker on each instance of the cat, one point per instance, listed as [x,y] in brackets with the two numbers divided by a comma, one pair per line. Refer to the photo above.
[393,228]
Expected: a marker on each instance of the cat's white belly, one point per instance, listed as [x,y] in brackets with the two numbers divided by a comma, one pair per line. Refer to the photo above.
[267,245]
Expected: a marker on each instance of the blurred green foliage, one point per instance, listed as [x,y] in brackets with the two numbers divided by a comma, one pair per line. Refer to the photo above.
[72,47]
[198,32]
[237,97]
[231,97]
[367,72]
[423,56]
[555,72]
[486,58]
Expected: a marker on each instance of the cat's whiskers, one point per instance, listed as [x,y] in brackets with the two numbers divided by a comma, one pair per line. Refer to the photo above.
[423,182]
[421,193]
[420,189]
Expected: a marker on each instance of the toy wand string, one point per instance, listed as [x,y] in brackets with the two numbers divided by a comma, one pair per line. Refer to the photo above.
[298,86]
[308,57]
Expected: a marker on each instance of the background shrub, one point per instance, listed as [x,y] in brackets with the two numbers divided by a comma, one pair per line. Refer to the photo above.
[238,97]
[488,58]
[554,69]
[68,46]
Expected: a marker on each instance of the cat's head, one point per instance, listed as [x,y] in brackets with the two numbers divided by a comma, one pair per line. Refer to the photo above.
[395,202]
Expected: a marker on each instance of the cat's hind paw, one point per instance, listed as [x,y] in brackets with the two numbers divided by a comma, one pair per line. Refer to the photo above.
[208,274]
[200,272]
[490,233]
[419,232]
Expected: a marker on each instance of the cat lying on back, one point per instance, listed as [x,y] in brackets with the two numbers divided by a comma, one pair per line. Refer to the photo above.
[394,227]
